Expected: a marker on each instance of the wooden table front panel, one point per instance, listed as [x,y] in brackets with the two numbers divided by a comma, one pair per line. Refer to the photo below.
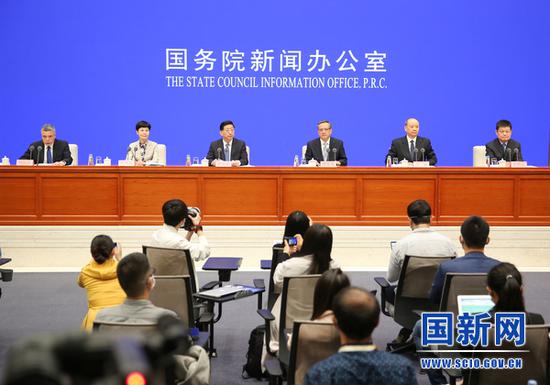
[265,195]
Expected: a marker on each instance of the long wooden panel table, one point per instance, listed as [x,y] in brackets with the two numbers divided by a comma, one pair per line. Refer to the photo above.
[264,195]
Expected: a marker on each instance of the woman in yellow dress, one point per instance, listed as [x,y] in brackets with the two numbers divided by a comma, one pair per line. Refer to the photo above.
[99,278]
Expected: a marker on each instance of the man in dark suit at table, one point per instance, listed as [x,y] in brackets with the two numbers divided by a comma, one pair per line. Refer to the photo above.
[503,147]
[326,148]
[228,148]
[49,150]
[411,146]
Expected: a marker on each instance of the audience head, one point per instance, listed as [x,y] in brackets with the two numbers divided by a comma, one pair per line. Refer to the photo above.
[504,284]
[174,212]
[135,275]
[419,212]
[474,233]
[356,312]
[330,284]
[102,248]
[318,242]
[297,222]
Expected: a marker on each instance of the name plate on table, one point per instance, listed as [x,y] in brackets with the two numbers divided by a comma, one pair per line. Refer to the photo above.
[518,164]
[329,163]
[24,162]
[154,164]
[126,162]
[421,164]
[223,163]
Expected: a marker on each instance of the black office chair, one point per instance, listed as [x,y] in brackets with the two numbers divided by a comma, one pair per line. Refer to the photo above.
[534,364]
[296,303]
[412,293]
[312,342]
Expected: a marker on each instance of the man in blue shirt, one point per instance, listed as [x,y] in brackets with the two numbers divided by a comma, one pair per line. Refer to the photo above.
[356,314]
[474,235]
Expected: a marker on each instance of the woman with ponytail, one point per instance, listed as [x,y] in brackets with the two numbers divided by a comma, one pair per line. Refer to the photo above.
[313,258]
[505,287]
[99,278]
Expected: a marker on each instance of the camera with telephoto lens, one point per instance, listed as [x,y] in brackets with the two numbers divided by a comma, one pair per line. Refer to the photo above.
[192,212]
[99,358]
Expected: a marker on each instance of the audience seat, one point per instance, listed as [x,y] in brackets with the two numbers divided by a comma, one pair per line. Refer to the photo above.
[312,342]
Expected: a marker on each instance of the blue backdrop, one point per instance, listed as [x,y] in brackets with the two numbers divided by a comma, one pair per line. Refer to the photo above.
[94,68]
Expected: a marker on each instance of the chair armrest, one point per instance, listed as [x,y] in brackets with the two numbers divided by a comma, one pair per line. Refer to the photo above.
[210,285]
[383,282]
[259,283]
[266,314]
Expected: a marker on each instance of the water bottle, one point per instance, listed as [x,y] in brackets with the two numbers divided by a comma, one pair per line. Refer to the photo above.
[388,161]
[188,160]
[90,160]
[296,164]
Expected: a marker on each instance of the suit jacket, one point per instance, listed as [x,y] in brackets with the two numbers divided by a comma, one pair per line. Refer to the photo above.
[238,151]
[151,152]
[314,151]
[400,149]
[494,149]
[133,311]
[470,263]
[60,152]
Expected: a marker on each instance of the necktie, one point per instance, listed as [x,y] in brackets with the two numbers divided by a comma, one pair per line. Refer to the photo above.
[143,148]
[49,155]
[504,148]
[227,153]
[325,151]
[411,149]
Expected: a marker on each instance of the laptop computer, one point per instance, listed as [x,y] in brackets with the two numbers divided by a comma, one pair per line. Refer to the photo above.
[474,304]
[222,291]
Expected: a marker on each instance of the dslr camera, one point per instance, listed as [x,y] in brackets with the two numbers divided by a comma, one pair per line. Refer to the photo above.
[192,212]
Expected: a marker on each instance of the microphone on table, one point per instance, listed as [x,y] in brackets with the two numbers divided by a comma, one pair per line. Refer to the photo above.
[422,151]
[38,149]
[31,150]
[334,154]
[516,154]
[415,155]
[509,154]
[219,151]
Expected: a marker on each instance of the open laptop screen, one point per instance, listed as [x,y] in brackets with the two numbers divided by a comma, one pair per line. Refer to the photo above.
[474,303]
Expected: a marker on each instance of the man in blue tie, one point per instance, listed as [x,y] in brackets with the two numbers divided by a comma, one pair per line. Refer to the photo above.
[504,147]
[228,148]
[49,150]
[411,146]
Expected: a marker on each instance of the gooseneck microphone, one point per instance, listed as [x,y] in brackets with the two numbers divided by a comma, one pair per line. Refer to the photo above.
[422,151]
[38,149]
[509,154]
[415,155]
[334,154]
[516,154]
[31,150]
[219,151]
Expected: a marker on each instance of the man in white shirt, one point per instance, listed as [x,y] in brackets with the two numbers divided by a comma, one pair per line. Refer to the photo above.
[422,242]
[175,213]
